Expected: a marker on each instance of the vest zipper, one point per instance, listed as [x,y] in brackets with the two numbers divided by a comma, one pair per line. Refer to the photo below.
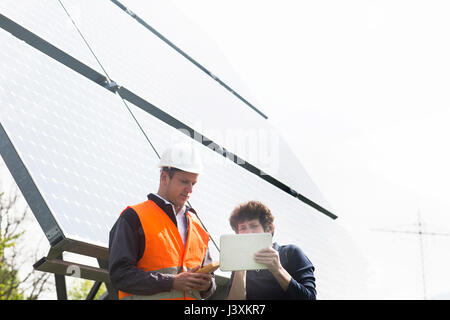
[188,238]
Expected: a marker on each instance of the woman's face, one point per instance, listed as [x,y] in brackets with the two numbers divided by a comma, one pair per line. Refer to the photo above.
[250,226]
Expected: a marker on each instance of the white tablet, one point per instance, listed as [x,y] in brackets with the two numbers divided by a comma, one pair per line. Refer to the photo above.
[237,250]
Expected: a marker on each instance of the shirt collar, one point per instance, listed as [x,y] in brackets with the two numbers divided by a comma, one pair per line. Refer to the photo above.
[163,204]
[182,210]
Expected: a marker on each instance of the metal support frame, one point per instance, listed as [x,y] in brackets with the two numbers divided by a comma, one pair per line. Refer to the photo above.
[60,283]
[112,293]
[54,263]
[94,290]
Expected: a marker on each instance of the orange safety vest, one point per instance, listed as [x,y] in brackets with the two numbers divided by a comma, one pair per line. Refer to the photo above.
[164,249]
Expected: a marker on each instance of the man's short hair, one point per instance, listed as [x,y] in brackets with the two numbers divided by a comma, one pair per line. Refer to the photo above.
[170,171]
[249,211]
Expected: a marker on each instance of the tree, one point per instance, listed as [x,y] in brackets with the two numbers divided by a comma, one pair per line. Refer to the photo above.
[9,282]
[81,287]
[14,254]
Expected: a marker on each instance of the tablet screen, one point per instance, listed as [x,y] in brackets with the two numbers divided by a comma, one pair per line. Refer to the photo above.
[237,250]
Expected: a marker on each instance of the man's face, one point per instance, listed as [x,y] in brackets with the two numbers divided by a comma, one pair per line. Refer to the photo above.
[250,226]
[179,188]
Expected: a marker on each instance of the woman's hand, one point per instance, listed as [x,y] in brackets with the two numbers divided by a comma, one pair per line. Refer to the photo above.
[238,289]
[270,258]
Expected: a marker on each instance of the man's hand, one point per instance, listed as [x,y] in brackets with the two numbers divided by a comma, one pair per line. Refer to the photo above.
[270,258]
[190,280]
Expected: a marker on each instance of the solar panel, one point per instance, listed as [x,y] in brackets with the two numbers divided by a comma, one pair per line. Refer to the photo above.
[166,19]
[77,152]
[146,65]
[48,20]
[76,139]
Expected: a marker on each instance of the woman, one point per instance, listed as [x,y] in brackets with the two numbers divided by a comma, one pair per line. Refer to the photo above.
[289,274]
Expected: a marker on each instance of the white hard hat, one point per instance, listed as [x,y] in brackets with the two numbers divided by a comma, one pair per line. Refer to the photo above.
[183,157]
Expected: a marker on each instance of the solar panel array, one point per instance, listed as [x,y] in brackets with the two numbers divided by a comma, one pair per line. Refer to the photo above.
[83,148]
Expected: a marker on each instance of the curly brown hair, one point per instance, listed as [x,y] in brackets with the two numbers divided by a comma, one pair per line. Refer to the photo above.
[249,211]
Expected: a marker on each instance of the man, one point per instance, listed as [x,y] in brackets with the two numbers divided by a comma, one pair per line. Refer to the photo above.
[289,274]
[156,246]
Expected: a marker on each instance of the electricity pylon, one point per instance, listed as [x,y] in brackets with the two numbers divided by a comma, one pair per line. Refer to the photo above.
[419,232]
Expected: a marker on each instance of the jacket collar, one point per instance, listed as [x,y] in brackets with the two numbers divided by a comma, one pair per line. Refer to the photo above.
[276,246]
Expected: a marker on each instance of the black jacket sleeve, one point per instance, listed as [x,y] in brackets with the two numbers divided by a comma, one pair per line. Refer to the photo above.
[126,247]
[302,285]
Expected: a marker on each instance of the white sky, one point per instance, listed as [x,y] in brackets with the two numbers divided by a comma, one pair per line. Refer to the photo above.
[360,91]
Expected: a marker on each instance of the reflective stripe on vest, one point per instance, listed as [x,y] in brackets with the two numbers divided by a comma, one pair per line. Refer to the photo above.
[164,249]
